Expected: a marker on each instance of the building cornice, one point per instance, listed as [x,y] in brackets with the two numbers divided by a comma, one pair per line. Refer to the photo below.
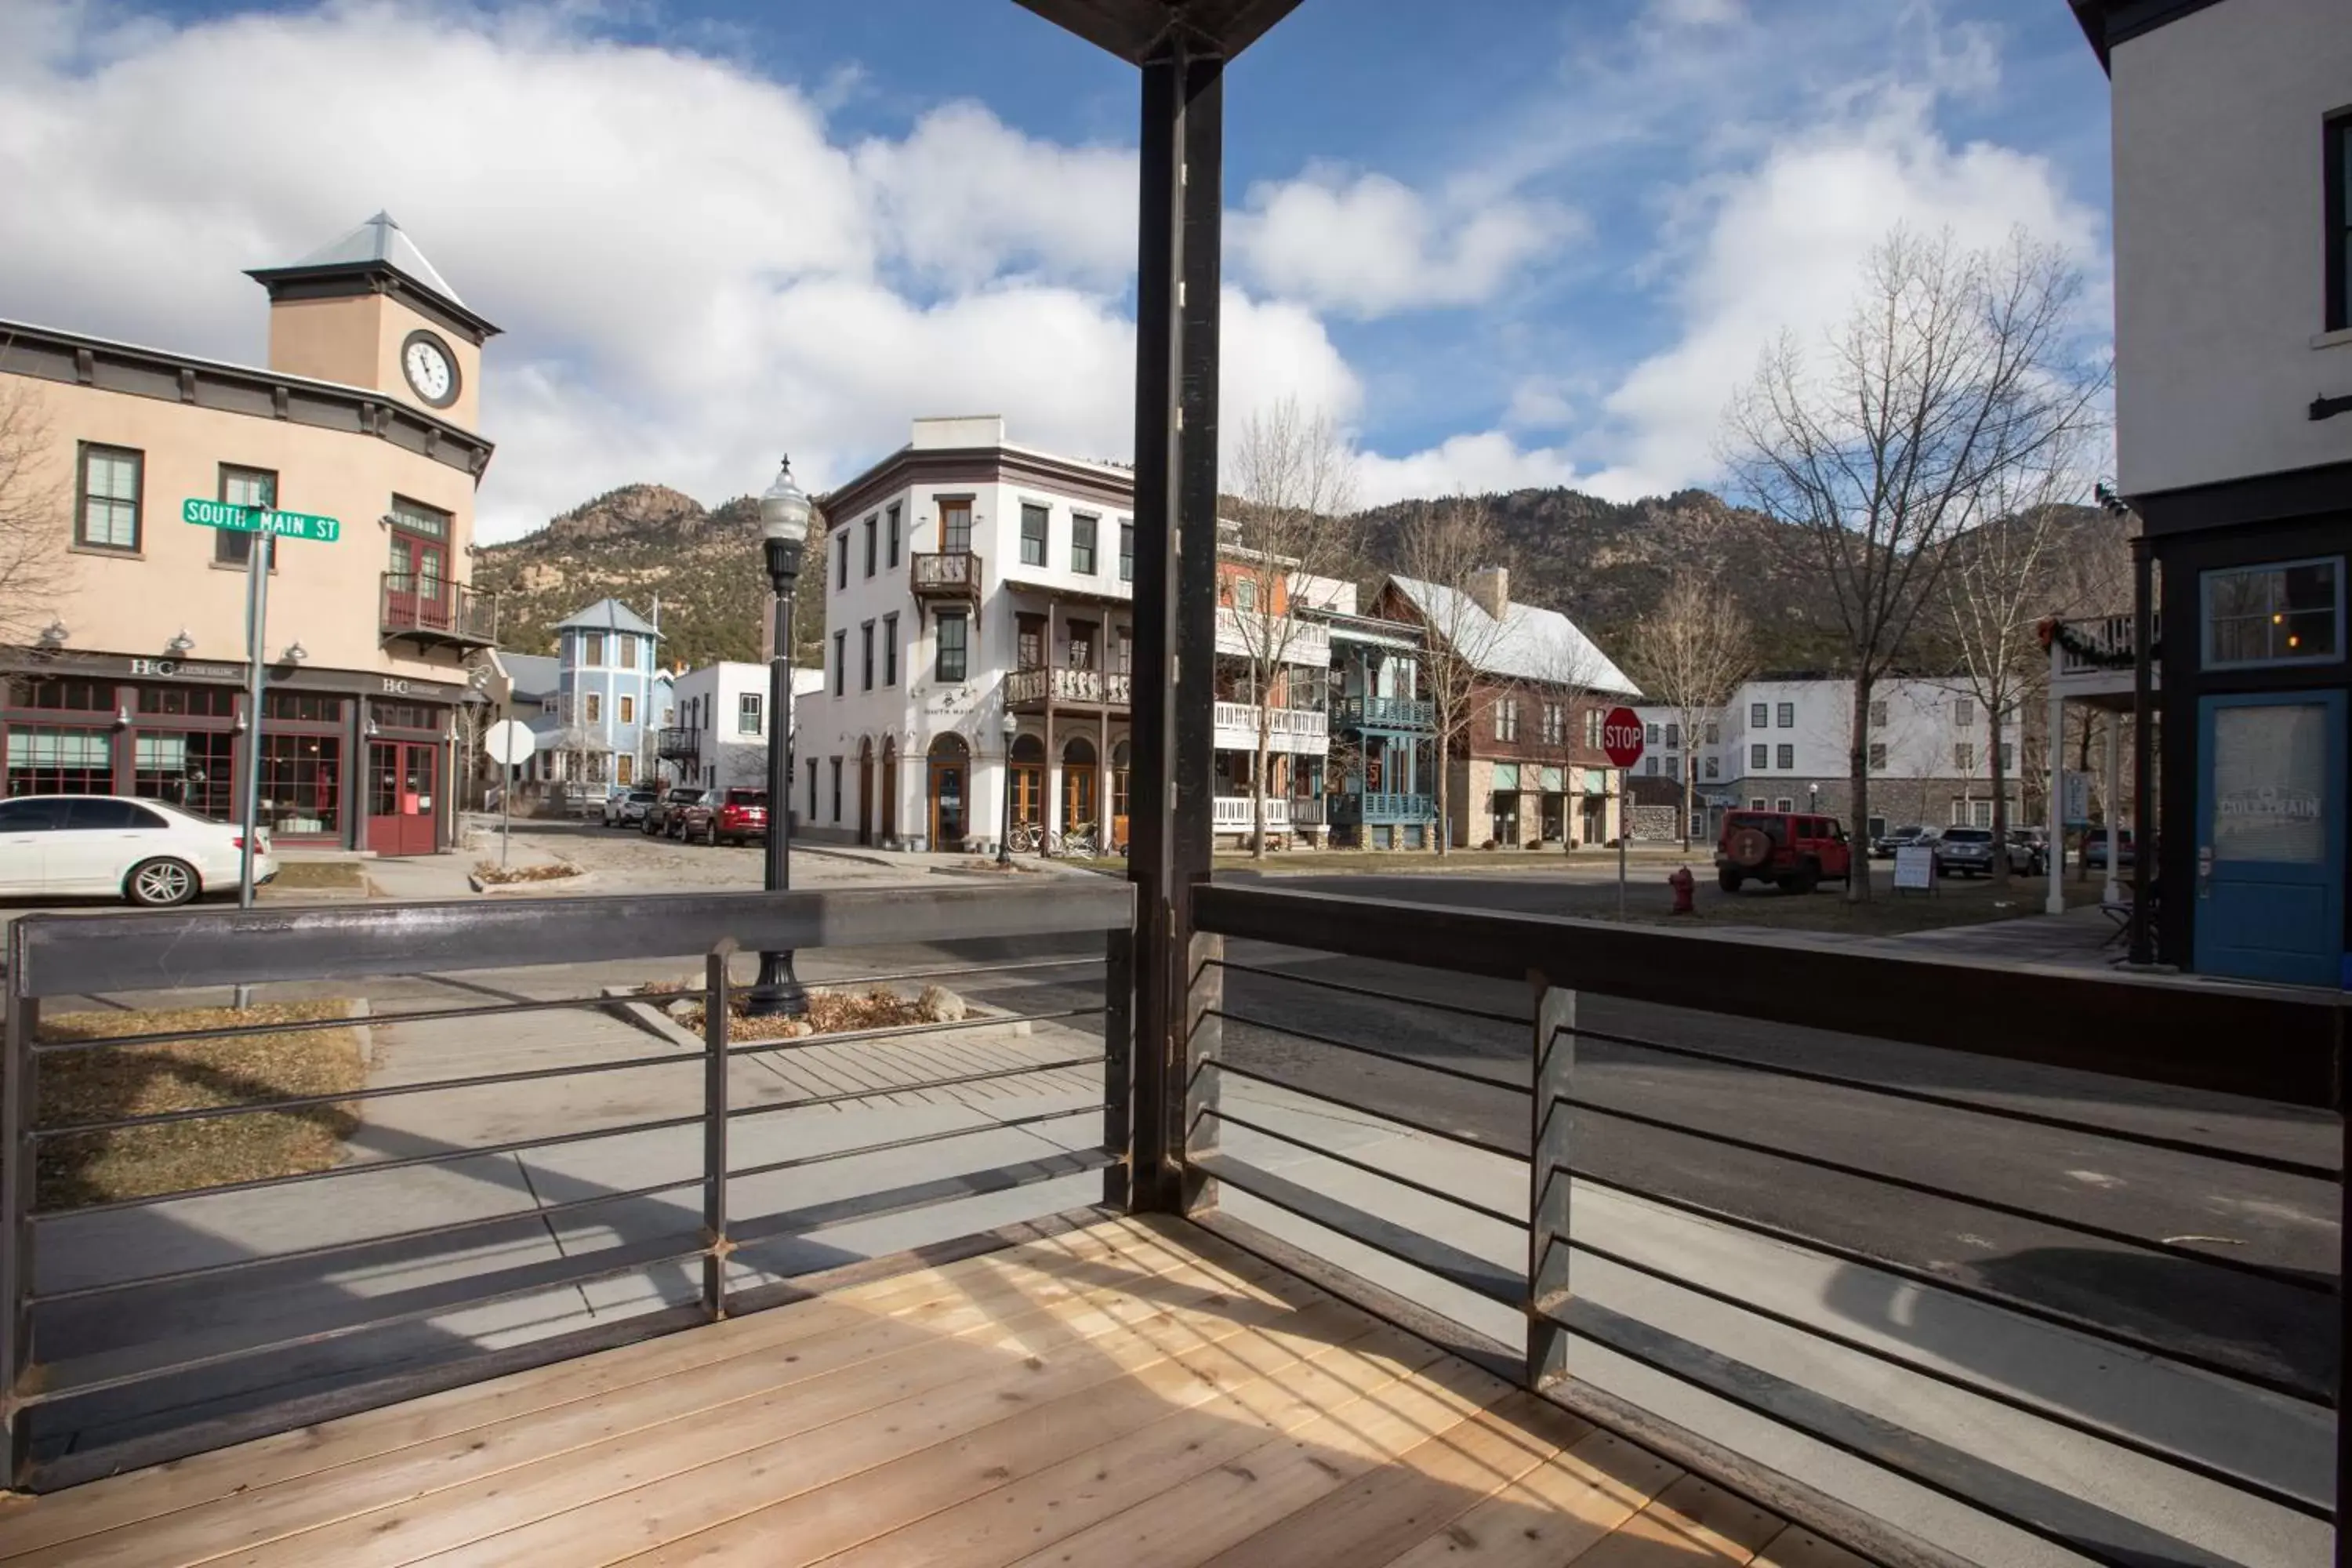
[911,465]
[2106,23]
[342,280]
[75,359]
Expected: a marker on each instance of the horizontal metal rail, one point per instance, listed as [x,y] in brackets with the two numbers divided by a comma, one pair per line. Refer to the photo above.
[314,1026]
[1517,1222]
[906,1031]
[1467,1140]
[918,1195]
[1516,1021]
[848,1097]
[948,1136]
[1012,967]
[1990,1205]
[1460,1074]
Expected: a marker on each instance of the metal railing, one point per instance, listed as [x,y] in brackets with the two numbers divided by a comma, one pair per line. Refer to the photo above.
[1383,806]
[1388,712]
[953,573]
[1251,635]
[202,1349]
[1114,689]
[2097,1373]
[679,740]
[1229,812]
[438,611]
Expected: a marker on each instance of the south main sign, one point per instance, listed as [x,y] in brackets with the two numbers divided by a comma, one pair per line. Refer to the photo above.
[257,519]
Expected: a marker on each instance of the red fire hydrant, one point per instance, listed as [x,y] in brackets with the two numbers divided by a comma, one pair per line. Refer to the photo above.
[1681,884]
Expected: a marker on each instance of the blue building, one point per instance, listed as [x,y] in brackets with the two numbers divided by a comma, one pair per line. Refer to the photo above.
[612,698]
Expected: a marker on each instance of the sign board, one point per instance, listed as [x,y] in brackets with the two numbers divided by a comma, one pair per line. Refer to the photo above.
[1621,736]
[509,742]
[220,514]
[2074,793]
[1915,867]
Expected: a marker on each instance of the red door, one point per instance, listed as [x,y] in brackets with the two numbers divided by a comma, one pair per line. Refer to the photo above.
[418,593]
[402,798]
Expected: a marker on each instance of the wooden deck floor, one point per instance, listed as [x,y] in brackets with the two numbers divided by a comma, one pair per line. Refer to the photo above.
[1127,1394]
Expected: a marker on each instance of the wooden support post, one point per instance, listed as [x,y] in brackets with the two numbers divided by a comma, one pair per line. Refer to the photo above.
[1548,1126]
[19,1113]
[1204,1048]
[715,1023]
[1118,1054]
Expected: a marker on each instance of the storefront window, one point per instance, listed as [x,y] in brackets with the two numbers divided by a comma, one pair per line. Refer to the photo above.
[60,762]
[406,716]
[304,707]
[191,702]
[78,696]
[301,784]
[192,772]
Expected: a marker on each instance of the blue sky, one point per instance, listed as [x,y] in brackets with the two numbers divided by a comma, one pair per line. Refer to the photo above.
[1522,243]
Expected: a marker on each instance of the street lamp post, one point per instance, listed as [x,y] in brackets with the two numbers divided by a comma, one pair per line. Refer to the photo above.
[1011,728]
[783,535]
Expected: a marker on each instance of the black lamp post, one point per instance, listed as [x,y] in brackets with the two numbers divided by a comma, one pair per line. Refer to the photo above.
[784,535]
[1011,728]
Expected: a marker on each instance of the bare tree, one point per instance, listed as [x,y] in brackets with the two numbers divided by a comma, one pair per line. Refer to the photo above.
[1956,373]
[1443,548]
[1293,474]
[1690,654]
[36,515]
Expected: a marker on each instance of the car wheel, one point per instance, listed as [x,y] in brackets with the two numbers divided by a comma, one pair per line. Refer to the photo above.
[1728,881]
[160,883]
[1804,879]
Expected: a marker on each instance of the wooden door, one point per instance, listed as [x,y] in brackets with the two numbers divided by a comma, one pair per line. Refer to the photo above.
[419,593]
[403,797]
[866,792]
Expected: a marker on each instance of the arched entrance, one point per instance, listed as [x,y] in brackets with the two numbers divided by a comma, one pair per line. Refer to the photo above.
[890,789]
[949,793]
[1120,759]
[866,790]
[1028,781]
[1079,804]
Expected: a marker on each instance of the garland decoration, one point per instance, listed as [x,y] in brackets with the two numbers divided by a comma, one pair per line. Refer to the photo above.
[2052,629]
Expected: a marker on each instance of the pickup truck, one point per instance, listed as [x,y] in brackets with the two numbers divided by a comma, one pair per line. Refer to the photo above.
[726,817]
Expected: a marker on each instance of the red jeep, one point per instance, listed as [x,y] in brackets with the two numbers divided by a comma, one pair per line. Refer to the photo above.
[728,816]
[1795,851]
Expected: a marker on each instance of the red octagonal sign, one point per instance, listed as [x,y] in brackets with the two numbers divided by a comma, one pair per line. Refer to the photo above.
[1621,736]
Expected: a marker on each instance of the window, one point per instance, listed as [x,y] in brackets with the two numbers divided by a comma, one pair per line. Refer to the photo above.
[1650,735]
[1878,714]
[1082,543]
[865,657]
[1757,719]
[212,701]
[107,518]
[889,650]
[1674,736]
[1756,805]
[1507,719]
[1081,645]
[836,789]
[1712,767]
[840,559]
[1964,756]
[628,713]
[593,712]
[812,776]
[419,555]
[1788,757]
[890,530]
[871,543]
[624,652]
[955,525]
[2337,207]
[59,761]
[1964,712]
[1759,756]
[1126,551]
[2007,756]
[1033,536]
[746,713]
[244,487]
[840,664]
[1650,766]
[625,770]
[954,648]
[1877,756]
[593,643]
[301,783]
[1788,716]
[1555,724]
[2288,613]
[1714,733]
[61,692]
[1592,728]
[1029,643]
[1245,594]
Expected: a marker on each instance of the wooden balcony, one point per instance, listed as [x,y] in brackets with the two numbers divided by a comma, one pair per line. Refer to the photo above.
[433,612]
[1027,689]
[2091,660]
[945,574]
[1302,730]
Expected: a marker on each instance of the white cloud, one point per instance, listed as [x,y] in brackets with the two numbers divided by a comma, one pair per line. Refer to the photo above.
[1369,246]
[1489,461]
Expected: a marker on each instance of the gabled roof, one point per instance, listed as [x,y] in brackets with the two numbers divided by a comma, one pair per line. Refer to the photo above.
[607,615]
[531,674]
[1531,643]
[380,241]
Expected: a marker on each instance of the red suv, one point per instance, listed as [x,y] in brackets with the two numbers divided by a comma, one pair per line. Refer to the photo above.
[1794,851]
[727,817]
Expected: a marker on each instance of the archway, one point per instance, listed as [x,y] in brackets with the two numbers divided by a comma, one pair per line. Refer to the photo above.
[1078,802]
[866,790]
[949,791]
[890,789]
[1029,781]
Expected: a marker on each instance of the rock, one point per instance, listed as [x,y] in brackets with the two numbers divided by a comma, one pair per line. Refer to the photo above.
[799,1031]
[937,1005]
[684,1008]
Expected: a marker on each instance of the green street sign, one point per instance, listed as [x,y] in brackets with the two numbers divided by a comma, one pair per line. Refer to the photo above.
[260,519]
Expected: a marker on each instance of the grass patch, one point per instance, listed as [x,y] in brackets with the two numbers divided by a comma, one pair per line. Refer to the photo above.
[493,876]
[318,874]
[109,1083]
[1887,913]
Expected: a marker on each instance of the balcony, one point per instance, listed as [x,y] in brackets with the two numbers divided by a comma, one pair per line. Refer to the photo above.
[1238,813]
[945,574]
[678,743]
[2091,660]
[1388,713]
[1380,808]
[1028,689]
[437,614]
[1242,633]
[1305,731]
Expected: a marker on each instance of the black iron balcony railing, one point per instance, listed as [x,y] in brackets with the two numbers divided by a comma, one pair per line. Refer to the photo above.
[946,574]
[434,611]
[677,741]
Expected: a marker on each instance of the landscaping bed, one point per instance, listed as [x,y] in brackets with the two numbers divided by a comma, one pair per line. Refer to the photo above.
[488,877]
[111,1083]
[829,1011]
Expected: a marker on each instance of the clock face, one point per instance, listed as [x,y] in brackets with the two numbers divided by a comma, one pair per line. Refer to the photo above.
[426,362]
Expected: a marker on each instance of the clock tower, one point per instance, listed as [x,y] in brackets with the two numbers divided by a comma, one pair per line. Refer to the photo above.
[369,310]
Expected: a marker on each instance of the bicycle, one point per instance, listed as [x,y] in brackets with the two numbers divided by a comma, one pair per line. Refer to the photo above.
[1083,840]
[1027,838]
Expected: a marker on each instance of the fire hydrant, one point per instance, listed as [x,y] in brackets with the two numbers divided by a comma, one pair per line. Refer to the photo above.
[1681,883]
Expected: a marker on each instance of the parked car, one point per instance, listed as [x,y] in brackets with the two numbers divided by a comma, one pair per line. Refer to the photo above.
[1884,847]
[628,810]
[142,850]
[665,816]
[1965,852]
[2095,850]
[1793,851]
[2028,851]
[735,816]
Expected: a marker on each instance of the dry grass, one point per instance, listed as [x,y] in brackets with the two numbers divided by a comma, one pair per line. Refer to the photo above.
[318,874]
[504,875]
[112,1082]
[829,1013]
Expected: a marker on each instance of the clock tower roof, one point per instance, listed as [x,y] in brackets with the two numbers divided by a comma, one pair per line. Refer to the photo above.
[377,256]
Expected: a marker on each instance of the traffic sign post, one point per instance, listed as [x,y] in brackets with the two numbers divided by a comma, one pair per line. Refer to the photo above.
[510,745]
[1621,737]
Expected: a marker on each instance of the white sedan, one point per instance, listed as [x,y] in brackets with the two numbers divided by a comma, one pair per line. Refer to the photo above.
[142,850]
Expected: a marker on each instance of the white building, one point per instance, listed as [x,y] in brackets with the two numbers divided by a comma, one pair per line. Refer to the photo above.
[719,730]
[1783,745]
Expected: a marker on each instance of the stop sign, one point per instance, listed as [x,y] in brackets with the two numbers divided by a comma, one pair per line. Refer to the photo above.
[1621,736]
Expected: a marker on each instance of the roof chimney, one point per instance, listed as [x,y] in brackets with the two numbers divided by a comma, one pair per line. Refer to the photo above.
[1491,586]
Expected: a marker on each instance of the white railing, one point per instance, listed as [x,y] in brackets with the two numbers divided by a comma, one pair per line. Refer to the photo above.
[2105,667]
[1244,633]
[1301,730]
[1080,686]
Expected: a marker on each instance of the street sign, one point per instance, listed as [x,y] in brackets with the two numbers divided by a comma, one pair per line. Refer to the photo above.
[1621,736]
[509,744]
[234,519]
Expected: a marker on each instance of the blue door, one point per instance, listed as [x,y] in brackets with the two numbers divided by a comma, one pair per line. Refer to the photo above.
[2269,837]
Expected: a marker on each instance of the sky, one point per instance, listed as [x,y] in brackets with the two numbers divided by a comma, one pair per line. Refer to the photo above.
[1500,242]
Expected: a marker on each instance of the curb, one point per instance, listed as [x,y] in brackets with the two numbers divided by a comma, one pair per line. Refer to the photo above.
[522,889]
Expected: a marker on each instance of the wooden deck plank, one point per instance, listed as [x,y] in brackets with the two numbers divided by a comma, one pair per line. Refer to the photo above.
[1691,1521]
[1794,1548]
[1551,1513]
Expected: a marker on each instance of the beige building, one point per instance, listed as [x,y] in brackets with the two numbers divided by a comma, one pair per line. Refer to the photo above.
[365,412]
